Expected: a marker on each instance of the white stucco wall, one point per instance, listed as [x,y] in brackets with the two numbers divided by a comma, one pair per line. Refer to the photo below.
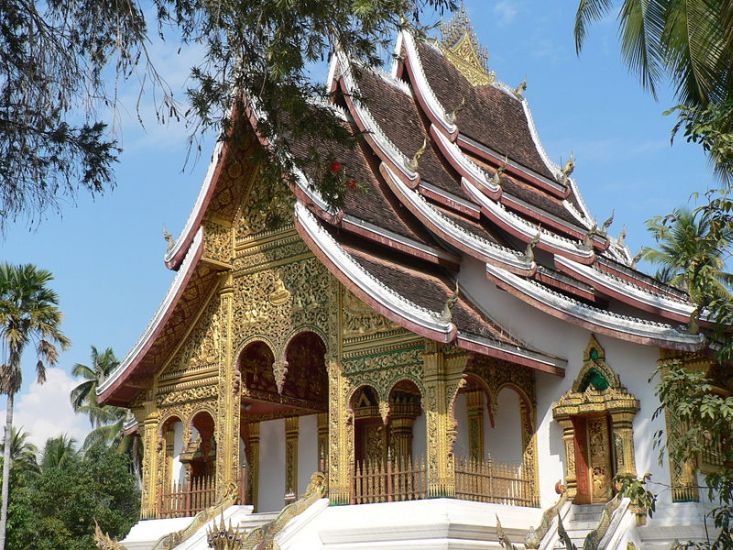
[503,442]
[307,450]
[271,479]
[179,473]
[419,434]
[634,363]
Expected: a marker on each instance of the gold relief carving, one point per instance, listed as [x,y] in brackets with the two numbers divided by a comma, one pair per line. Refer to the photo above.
[599,456]
[360,320]
[253,446]
[462,48]
[291,455]
[200,349]
[279,295]
[218,242]
[281,301]
[269,210]
[192,394]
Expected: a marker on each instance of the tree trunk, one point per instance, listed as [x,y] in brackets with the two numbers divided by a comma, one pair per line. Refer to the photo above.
[6,468]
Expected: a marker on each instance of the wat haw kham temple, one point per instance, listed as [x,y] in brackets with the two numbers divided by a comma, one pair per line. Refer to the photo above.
[458,357]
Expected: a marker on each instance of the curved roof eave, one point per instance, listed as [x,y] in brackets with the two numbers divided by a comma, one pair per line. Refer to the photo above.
[622,327]
[157,323]
[385,301]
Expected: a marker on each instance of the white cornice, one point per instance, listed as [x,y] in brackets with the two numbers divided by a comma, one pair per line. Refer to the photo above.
[529,231]
[444,226]
[627,289]
[421,81]
[465,164]
[632,326]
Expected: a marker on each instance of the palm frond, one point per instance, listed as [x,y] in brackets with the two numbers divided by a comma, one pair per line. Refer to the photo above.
[589,11]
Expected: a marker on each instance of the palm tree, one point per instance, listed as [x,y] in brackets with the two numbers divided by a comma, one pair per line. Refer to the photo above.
[691,253]
[58,452]
[84,395]
[691,42]
[23,453]
[29,315]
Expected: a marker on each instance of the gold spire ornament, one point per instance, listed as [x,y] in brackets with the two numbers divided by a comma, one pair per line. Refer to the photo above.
[462,48]
[568,169]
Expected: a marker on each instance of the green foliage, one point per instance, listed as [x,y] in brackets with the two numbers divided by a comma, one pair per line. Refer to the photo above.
[689,42]
[57,507]
[629,486]
[53,140]
[711,127]
[699,417]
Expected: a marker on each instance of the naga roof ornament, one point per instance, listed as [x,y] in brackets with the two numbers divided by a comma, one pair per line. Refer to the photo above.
[460,45]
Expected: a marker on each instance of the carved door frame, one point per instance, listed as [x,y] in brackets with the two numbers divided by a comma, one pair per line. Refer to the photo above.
[586,400]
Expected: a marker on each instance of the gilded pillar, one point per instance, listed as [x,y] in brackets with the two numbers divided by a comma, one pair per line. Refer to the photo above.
[291,456]
[529,445]
[323,442]
[475,408]
[623,442]
[228,406]
[150,429]
[340,436]
[253,444]
[401,437]
[568,438]
[442,378]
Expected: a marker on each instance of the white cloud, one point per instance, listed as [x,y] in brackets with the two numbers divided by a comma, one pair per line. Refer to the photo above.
[44,411]
[505,11]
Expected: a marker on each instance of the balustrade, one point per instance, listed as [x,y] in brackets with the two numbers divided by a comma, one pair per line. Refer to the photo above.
[406,479]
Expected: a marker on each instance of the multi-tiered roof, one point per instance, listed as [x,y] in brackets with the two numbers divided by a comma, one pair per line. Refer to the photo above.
[451,172]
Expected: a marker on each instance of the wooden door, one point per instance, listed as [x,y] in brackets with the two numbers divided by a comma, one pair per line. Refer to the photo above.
[593,459]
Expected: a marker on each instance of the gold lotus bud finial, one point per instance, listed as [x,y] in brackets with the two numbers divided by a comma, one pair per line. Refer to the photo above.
[415,160]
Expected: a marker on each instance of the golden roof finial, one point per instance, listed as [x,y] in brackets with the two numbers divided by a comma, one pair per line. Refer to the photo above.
[462,48]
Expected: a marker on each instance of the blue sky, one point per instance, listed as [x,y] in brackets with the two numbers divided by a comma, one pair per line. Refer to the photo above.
[106,254]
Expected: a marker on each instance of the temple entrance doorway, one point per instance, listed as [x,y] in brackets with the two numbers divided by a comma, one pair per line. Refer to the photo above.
[594,468]
[283,418]
[596,417]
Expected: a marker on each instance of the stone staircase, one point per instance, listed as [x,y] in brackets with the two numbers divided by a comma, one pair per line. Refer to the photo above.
[581,520]
[250,522]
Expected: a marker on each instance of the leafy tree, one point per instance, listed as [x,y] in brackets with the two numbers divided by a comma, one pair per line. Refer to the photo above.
[29,315]
[56,55]
[23,453]
[92,485]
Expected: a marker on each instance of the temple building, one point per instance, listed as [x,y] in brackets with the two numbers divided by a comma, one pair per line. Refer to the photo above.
[453,359]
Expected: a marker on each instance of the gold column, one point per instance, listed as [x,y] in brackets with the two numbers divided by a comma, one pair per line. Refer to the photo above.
[475,407]
[401,435]
[623,442]
[340,436]
[441,478]
[253,443]
[148,501]
[228,405]
[323,442]
[568,438]
[529,445]
[291,456]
